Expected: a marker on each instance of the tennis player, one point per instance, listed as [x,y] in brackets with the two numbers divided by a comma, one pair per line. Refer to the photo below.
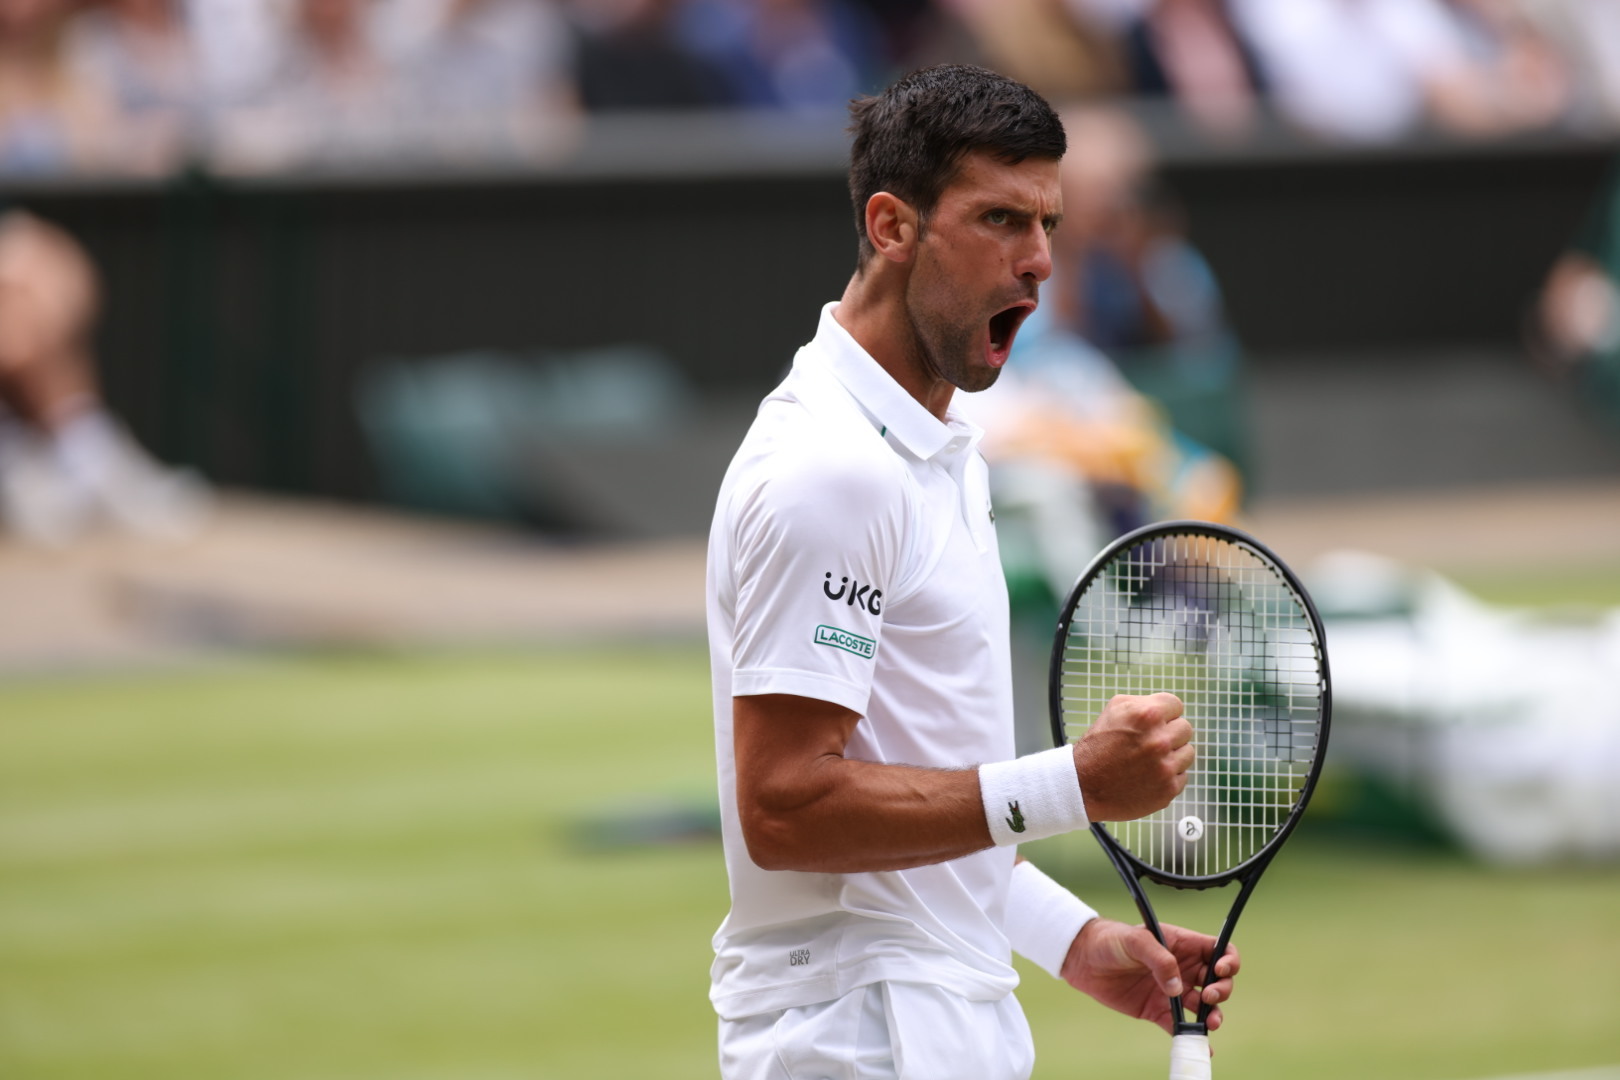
[871,797]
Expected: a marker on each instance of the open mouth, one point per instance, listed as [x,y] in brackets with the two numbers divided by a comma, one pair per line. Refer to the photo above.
[1004,326]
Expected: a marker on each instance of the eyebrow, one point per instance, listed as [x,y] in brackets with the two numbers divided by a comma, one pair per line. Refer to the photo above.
[1049,222]
[992,206]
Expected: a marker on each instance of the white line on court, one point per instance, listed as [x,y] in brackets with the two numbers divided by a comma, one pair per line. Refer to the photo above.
[1602,1072]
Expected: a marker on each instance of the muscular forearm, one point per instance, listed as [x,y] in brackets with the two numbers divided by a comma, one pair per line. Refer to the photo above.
[804,805]
[844,816]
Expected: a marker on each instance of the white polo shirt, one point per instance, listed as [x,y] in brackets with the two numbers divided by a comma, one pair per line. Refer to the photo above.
[853,559]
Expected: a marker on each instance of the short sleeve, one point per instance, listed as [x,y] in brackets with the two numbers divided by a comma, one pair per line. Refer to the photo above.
[816,548]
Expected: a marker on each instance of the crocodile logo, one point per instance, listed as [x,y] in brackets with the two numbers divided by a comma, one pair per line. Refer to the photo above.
[1016,822]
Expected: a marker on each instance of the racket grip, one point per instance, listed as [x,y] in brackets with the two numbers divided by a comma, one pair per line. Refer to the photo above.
[1189,1057]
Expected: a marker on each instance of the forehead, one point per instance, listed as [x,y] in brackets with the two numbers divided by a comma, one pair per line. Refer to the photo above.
[1032,184]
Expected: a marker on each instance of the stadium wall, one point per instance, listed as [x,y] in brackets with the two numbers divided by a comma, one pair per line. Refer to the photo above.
[241,311]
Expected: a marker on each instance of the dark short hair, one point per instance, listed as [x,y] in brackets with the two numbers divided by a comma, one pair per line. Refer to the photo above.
[910,139]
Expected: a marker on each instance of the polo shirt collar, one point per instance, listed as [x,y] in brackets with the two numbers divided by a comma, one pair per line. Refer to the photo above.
[902,416]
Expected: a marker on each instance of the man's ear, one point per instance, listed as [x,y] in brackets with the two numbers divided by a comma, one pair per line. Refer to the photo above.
[891,227]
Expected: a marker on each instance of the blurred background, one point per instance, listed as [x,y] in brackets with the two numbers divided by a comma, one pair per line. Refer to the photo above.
[368,368]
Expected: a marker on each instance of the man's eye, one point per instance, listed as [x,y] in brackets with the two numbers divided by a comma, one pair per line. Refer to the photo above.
[998,217]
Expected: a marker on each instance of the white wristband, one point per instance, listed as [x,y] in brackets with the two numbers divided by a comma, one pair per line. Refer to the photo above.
[1032,797]
[1043,918]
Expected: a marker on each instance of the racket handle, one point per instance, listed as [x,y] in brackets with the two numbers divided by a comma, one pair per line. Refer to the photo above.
[1189,1057]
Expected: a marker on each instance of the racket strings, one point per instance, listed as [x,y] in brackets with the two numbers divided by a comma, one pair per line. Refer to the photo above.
[1215,623]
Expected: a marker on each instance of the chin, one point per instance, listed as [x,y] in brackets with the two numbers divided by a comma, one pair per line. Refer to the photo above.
[974,381]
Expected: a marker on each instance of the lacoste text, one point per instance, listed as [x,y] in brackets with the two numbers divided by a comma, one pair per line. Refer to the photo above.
[843,639]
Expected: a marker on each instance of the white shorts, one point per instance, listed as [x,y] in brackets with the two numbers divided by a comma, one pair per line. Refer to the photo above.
[885,1031]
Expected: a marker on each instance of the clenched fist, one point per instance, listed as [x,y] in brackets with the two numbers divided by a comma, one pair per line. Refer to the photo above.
[1135,758]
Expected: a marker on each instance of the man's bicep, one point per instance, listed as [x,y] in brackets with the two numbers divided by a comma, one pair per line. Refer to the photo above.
[780,740]
[773,731]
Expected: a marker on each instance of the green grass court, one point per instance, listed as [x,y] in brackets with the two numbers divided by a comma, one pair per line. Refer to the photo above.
[368,867]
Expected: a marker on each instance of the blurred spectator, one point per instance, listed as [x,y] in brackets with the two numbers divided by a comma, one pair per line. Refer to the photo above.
[1128,282]
[482,76]
[1370,70]
[50,121]
[66,466]
[1363,70]
[1131,280]
[138,55]
[1587,35]
[905,29]
[146,85]
[238,46]
[1140,284]
[1189,51]
[1520,76]
[794,54]
[632,56]
[1575,331]
[330,95]
[1050,45]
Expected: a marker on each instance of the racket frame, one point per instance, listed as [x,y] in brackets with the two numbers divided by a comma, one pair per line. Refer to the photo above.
[1133,870]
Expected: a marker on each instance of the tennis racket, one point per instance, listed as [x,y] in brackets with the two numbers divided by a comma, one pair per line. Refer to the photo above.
[1210,615]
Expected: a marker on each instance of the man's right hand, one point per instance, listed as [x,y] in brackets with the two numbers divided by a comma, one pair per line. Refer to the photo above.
[1135,758]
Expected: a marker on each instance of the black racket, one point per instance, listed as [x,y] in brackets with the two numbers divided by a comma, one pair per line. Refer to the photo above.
[1210,615]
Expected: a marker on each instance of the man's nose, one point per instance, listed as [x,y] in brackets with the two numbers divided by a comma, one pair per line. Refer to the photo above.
[1037,260]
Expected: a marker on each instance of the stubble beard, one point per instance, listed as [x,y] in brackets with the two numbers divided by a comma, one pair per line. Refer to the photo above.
[943,348]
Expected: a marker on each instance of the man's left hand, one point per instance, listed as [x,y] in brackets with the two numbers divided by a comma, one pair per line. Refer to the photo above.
[1126,968]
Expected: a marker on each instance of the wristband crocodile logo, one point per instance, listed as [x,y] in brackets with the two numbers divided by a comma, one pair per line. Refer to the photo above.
[843,639]
[1016,822]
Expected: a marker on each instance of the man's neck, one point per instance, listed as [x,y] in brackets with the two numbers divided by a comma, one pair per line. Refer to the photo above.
[873,311]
